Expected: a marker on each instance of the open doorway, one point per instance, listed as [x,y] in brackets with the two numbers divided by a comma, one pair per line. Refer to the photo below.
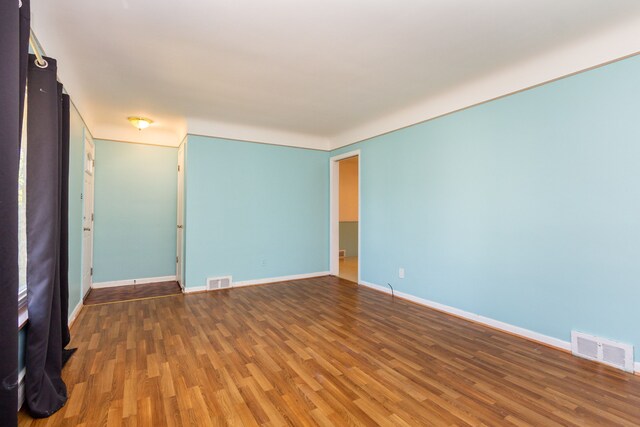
[345,216]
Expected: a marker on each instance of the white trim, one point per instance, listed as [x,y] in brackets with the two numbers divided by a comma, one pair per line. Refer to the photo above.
[22,296]
[248,133]
[163,135]
[334,210]
[595,49]
[279,279]
[194,289]
[23,315]
[587,53]
[525,333]
[636,368]
[21,376]
[74,314]
[128,282]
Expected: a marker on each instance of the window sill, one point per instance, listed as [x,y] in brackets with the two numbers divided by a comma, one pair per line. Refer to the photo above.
[23,312]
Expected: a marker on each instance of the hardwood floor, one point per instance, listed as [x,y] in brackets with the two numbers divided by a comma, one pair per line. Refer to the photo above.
[348,268]
[322,352]
[131,292]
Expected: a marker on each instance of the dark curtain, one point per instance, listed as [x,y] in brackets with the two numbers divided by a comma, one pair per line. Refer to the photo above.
[25,30]
[45,391]
[14,26]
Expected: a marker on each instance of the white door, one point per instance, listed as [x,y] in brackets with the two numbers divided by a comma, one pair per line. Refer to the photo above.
[87,216]
[180,233]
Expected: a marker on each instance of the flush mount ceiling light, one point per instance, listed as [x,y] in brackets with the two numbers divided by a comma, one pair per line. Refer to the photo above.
[140,122]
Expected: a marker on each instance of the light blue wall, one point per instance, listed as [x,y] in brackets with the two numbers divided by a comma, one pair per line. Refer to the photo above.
[525,209]
[76,176]
[255,211]
[135,211]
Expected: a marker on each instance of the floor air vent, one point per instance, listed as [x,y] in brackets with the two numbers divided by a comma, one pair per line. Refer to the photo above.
[602,350]
[215,283]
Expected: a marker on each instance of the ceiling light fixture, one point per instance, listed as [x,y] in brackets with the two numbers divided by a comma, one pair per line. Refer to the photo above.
[140,122]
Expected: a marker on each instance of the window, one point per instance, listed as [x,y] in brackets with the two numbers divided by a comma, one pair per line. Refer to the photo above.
[22,224]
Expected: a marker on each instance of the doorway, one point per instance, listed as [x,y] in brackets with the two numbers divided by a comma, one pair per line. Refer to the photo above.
[345,258]
[87,215]
[180,221]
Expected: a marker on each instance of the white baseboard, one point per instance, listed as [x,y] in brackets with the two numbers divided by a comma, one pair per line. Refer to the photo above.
[74,314]
[525,333]
[128,282]
[279,279]
[21,387]
[193,289]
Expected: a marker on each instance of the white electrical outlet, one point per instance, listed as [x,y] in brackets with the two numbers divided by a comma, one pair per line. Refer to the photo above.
[401,273]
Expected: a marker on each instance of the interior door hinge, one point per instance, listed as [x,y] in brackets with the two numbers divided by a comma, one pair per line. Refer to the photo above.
[91,217]
[92,271]
[178,168]
[176,259]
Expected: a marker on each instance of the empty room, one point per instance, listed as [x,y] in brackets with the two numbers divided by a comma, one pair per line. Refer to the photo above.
[333,213]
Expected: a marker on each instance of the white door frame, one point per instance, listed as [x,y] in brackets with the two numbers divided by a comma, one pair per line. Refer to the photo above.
[180,219]
[334,210]
[88,168]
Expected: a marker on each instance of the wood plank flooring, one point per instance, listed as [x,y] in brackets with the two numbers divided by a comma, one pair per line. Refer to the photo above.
[322,352]
[131,292]
[348,268]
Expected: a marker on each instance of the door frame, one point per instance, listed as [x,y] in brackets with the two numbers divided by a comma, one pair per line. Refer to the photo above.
[88,141]
[180,218]
[334,211]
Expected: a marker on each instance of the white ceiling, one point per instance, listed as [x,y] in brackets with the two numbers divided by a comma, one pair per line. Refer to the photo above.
[315,73]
